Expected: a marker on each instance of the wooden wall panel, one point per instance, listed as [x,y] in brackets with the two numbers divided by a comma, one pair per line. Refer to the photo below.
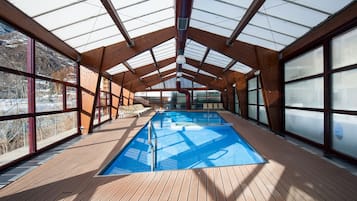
[116,89]
[85,123]
[241,86]
[87,102]
[88,79]
[271,86]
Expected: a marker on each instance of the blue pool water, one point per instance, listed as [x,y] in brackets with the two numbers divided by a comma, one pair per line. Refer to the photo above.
[184,140]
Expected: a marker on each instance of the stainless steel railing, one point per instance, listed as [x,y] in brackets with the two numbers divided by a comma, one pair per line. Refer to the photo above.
[152,146]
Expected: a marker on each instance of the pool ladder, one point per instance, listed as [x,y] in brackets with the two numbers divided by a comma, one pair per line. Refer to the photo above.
[152,146]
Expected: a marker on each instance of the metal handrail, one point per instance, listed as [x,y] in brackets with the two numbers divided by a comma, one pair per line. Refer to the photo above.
[152,146]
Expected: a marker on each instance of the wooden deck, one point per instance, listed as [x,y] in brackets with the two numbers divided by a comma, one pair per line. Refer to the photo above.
[290,174]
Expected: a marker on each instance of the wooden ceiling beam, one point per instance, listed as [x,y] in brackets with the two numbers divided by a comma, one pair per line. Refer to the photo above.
[253,8]
[30,27]
[120,52]
[117,21]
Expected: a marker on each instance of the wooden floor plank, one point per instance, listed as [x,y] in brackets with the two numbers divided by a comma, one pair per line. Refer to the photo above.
[166,191]
[290,173]
[175,193]
[185,188]
[202,189]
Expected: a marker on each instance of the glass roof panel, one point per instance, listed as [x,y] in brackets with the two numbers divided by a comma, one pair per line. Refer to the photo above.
[171,74]
[189,67]
[94,36]
[261,42]
[152,27]
[117,69]
[292,12]
[239,67]
[84,27]
[144,8]
[168,67]
[31,10]
[220,8]
[210,28]
[206,73]
[268,35]
[100,43]
[188,75]
[165,50]
[171,83]
[279,25]
[158,86]
[185,83]
[70,14]
[212,18]
[155,72]
[217,59]
[194,50]
[330,6]
[198,85]
[140,60]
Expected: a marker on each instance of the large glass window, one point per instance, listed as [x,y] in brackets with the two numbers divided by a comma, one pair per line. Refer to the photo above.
[102,111]
[307,124]
[49,96]
[256,107]
[13,139]
[307,93]
[13,46]
[344,49]
[310,63]
[304,96]
[52,128]
[52,64]
[344,93]
[36,100]
[13,94]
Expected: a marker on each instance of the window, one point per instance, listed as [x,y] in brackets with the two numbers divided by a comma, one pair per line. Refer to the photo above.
[344,93]
[236,102]
[13,94]
[13,48]
[304,96]
[35,103]
[256,107]
[52,64]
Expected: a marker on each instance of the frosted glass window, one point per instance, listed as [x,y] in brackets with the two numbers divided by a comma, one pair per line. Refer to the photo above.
[263,115]
[344,94]
[252,83]
[307,93]
[252,97]
[310,63]
[344,134]
[344,49]
[306,124]
[252,111]
[260,97]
